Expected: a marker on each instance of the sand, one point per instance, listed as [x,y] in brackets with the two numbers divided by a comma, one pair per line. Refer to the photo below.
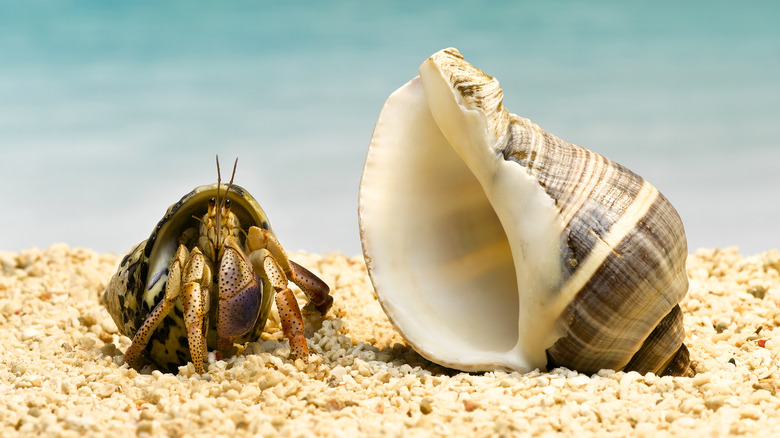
[61,371]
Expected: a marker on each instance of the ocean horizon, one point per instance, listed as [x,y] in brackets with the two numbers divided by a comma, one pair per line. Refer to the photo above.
[110,112]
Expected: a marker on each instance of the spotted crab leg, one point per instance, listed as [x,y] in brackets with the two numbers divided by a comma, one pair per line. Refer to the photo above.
[195,303]
[268,257]
[315,289]
[188,278]
[287,305]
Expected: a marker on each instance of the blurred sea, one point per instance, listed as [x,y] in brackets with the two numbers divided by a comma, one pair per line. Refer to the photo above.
[111,111]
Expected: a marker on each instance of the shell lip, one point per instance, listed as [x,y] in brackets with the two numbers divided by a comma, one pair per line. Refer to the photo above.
[399,225]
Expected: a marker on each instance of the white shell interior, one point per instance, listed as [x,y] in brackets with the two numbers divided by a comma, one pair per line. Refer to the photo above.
[462,246]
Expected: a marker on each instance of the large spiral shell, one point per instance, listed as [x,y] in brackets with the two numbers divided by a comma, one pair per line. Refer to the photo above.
[493,244]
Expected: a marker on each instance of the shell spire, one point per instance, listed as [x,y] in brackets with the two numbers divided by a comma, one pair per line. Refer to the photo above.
[475,90]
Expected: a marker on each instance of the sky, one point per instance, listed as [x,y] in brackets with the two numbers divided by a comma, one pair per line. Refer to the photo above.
[110,112]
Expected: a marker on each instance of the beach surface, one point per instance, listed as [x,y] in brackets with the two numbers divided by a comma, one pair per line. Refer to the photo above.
[61,371]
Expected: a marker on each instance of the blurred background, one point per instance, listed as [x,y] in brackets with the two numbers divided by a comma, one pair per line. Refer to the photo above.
[111,111]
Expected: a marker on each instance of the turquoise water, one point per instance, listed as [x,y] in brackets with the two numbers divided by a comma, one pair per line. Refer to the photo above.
[111,111]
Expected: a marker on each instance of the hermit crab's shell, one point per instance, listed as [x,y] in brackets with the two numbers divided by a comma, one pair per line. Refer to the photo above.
[493,244]
[139,283]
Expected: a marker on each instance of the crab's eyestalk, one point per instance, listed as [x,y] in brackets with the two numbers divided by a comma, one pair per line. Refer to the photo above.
[216,226]
[218,242]
[218,222]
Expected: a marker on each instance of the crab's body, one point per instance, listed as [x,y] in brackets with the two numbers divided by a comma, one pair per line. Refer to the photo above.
[205,279]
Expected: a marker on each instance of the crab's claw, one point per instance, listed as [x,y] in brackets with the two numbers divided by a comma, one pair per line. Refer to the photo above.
[240,295]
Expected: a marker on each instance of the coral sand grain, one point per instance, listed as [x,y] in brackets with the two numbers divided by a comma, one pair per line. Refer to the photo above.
[61,369]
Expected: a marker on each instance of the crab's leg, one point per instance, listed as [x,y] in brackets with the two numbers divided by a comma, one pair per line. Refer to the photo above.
[239,296]
[195,303]
[160,311]
[292,323]
[314,288]
[286,304]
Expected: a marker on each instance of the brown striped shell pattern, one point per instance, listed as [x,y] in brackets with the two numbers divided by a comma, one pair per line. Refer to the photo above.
[493,244]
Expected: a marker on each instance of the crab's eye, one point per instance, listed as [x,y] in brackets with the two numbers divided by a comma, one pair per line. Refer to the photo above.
[212,202]
[227,203]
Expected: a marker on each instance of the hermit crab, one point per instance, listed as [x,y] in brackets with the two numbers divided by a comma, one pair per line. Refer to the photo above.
[493,244]
[205,279]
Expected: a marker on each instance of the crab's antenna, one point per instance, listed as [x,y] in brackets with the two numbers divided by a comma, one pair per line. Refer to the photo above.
[222,202]
[230,184]
[219,208]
